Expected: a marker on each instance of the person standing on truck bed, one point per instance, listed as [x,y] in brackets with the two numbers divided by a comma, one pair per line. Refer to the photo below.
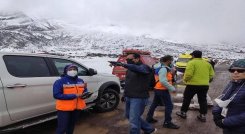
[68,91]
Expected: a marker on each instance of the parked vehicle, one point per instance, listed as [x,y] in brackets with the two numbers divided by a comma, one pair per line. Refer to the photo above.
[146,58]
[26,88]
[182,61]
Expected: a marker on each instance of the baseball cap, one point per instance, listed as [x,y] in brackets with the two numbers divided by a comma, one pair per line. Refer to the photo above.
[196,53]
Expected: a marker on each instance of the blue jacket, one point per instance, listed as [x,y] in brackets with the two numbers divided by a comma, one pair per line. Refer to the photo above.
[58,87]
[235,118]
[140,68]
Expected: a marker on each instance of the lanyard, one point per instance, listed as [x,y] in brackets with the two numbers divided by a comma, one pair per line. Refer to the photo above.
[233,96]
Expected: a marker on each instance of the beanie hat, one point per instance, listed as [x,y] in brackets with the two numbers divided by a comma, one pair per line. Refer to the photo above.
[67,67]
[196,54]
[238,63]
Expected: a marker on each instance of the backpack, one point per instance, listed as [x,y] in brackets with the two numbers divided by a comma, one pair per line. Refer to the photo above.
[153,81]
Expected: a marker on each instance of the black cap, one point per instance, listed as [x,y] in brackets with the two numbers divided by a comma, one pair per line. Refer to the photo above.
[196,54]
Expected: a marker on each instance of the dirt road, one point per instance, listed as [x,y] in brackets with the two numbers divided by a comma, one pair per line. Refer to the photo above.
[114,122]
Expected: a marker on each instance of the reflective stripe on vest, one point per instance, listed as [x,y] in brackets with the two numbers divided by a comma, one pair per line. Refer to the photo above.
[70,105]
[159,85]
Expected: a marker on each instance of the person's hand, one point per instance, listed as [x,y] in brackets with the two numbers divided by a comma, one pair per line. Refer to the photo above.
[123,99]
[219,123]
[174,91]
[217,117]
[119,64]
[86,95]
[114,63]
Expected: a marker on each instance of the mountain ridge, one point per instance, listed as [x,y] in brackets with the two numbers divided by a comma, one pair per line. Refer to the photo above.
[24,34]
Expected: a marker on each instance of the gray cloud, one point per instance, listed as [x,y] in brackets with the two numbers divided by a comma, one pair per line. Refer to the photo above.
[198,21]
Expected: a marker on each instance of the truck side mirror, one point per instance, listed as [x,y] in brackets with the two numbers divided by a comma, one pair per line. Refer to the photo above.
[92,71]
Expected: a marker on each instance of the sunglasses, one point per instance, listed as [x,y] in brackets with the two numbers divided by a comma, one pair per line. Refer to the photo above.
[238,70]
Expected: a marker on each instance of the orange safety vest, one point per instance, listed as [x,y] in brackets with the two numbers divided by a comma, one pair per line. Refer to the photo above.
[159,85]
[70,105]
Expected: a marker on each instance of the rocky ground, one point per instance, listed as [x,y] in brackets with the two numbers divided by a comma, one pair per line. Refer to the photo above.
[114,122]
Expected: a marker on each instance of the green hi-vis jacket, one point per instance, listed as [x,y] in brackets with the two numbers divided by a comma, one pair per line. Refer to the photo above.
[198,72]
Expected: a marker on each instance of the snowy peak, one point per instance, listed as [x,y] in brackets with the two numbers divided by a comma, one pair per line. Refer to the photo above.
[19,32]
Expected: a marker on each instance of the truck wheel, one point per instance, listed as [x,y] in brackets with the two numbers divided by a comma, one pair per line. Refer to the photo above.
[108,100]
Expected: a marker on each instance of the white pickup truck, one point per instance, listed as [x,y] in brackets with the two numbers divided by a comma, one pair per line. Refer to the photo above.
[26,88]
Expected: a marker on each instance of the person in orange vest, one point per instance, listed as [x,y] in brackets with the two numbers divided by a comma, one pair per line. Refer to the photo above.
[163,77]
[68,91]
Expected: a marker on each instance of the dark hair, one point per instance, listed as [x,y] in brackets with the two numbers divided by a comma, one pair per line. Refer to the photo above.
[166,58]
[197,54]
[136,55]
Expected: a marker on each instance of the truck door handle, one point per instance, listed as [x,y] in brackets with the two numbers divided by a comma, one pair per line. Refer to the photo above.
[16,85]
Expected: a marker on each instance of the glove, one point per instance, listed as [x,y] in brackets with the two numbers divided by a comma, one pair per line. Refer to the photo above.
[123,99]
[219,123]
[217,117]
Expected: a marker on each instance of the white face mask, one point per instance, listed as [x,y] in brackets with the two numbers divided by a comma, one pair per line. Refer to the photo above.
[72,73]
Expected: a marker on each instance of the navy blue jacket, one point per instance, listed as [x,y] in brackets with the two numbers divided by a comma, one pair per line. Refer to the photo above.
[58,87]
[137,80]
[235,118]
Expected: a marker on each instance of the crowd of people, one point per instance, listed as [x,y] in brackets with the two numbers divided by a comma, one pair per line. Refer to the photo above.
[228,113]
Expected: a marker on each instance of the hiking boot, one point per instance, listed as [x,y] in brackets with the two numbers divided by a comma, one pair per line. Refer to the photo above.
[181,114]
[201,117]
[170,125]
[152,132]
[152,120]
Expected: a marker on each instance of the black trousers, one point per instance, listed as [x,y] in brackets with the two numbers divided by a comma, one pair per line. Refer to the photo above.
[189,93]
[233,131]
[66,121]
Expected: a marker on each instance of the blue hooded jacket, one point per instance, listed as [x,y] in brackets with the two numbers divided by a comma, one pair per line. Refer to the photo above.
[65,79]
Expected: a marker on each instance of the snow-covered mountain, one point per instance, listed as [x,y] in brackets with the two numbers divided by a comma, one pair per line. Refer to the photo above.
[21,33]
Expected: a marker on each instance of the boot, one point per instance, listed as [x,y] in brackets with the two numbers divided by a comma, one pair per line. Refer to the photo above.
[201,117]
[181,114]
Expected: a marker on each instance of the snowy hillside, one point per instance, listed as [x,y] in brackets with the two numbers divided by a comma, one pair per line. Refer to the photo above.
[19,32]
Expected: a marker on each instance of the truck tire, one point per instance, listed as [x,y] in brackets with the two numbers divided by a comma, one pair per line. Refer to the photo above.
[108,100]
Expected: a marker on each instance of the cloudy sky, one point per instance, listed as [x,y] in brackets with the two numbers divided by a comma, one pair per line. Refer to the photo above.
[198,21]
